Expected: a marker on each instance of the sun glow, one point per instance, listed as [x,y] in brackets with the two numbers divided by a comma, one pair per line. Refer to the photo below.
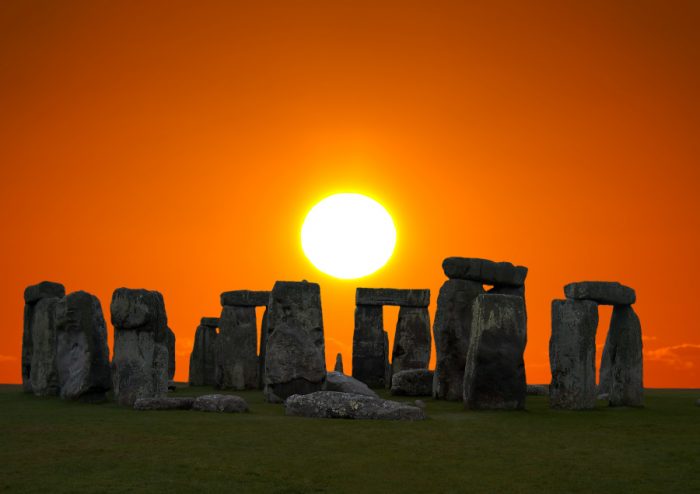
[348,236]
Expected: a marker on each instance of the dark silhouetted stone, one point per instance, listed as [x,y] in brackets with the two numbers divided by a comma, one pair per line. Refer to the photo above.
[624,349]
[212,322]
[45,289]
[368,346]
[337,381]
[572,354]
[411,340]
[518,291]
[602,292]
[338,363]
[295,360]
[82,351]
[245,298]
[170,343]
[44,369]
[203,356]
[236,348]
[452,330]
[414,382]
[537,390]
[220,403]
[179,403]
[484,271]
[392,296]
[335,405]
[387,365]
[494,374]
[140,361]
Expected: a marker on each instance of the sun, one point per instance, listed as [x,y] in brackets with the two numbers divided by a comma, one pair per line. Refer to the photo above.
[348,236]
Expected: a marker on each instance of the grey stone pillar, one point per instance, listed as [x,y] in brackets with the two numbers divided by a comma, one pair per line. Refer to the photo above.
[369,355]
[412,340]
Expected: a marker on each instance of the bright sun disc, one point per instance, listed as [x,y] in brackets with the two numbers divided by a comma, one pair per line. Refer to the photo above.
[348,236]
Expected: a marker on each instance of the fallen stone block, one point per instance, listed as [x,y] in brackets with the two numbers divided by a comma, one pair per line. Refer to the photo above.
[179,403]
[335,405]
[220,403]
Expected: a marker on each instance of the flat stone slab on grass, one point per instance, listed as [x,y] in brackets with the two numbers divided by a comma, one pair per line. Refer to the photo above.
[180,403]
[412,382]
[245,298]
[335,405]
[392,296]
[337,381]
[220,403]
[602,292]
[484,271]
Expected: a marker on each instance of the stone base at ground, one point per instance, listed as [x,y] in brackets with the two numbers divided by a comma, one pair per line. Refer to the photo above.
[414,382]
[334,405]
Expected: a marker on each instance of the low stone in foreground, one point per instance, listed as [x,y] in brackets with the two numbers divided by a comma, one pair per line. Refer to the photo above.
[337,381]
[180,403]
[220,403]
[334,405]
[413,382]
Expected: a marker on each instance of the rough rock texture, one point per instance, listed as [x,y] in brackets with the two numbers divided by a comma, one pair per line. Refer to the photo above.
[82,355]
[698,402]
[245,298]
[140,361]
[202,358]
[494,374]
[32,294]
[538,390]
[368,346]
[338,363]
[414,382]
[44,369]
[572,354]
[624,351]
[212,322]
[263,350]
[220,403]
[411,340]
[387,365]
[484,271]
[452,330]
[179,403]
[170,341]
[295,360]
[337,381]
[236,349]
[518,291]
[334,405]
[392,296]
[602,292]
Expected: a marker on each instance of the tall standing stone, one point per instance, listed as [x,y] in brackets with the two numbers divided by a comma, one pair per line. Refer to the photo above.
[369,352]
[494,375]
[572,354]
[202,358]
[170,340]
[295,362]
[140,361]
[236,349]
[452,331]
[412,340]
[624,349]
[32,295]
[82,351]
[44,368]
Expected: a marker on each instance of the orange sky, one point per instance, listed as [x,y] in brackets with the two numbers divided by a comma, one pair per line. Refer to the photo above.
[177,146]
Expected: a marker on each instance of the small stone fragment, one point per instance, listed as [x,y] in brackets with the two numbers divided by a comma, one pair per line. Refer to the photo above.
[220,403]
[338,363]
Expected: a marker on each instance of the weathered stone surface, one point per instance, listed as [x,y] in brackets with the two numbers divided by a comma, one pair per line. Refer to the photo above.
[337,381]
[140,361]
[368,346]
[44,369]
[452,330]
[387,365]
[212,322]
[392,296]
[411,340]
[203,357]
[170,343]
[245,298]
[295,360]
[179,403]
[518,291]
[624,349]
[414,382]
[220,403]
[602,292]
[537,390]
[263,350]
[484,271]
[32,294]
[82,354]
[236,348]
[338,363]
[572,354]
[494,374]
[335,405]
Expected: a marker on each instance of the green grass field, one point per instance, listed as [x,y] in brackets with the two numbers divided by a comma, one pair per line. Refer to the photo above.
[49,445]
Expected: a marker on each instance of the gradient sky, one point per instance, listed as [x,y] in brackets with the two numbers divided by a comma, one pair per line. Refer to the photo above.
[178,145]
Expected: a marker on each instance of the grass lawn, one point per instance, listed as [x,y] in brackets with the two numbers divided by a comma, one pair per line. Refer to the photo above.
[48,445]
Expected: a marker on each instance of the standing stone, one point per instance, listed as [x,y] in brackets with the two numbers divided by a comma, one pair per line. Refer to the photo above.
[572,354]
[263,350]
[140,361]
[44,369]
[338,363]
[82,351]
[368,346]
[32,295]
[494,374]
[624,347]
[202,358]
[412,340]
[387,365]
[414,382]
[452,331]
[170,340]
[295,362]
[236,349]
